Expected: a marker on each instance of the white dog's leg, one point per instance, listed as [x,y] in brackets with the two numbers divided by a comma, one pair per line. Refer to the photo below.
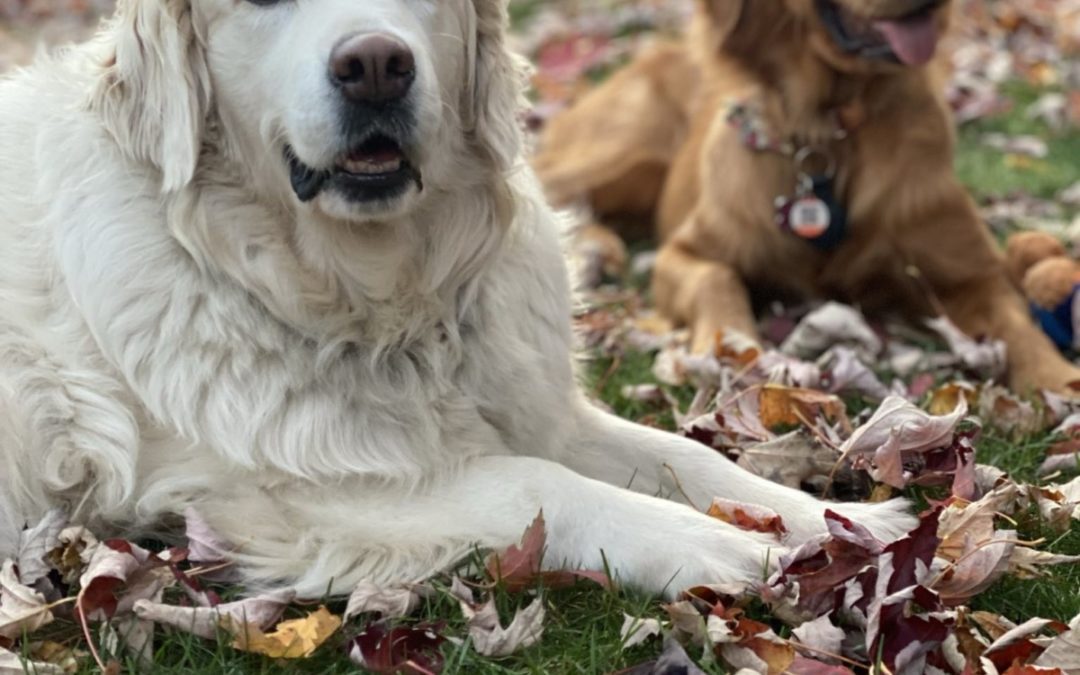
[304,537]
[655,462]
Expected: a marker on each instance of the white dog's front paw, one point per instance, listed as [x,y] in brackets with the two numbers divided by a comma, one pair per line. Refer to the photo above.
[887,521]
[696,550]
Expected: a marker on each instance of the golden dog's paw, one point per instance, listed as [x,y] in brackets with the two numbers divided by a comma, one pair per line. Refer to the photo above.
[1062,379]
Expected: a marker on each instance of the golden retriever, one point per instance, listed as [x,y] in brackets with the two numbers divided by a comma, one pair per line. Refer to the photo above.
[773,107]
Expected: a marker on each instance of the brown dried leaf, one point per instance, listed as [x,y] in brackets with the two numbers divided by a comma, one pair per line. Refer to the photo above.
[1026,563]
[979,566]
[519,567]
[789,460]
[14,664]
[749,517]
[790,406]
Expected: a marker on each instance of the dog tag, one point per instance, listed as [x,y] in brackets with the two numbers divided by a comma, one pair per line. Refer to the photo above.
[813,213]
[809,217]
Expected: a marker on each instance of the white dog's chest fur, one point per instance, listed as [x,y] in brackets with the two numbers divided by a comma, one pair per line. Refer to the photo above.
[495,368]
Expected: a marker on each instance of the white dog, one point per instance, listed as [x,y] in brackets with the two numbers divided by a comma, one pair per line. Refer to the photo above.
[281,260]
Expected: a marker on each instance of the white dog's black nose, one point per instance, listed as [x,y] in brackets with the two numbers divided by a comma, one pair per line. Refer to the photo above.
[372,68]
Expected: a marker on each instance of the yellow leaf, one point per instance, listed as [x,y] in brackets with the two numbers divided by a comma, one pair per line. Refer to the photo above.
[945,398]
[791,406]
[295,639]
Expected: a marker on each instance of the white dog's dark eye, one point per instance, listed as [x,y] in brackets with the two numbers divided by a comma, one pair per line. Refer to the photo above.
[266,3]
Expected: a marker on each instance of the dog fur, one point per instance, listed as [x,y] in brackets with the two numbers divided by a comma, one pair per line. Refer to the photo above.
[654,142]
[343,391]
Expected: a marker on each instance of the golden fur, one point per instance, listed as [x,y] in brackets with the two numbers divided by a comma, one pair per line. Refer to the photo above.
[654,142]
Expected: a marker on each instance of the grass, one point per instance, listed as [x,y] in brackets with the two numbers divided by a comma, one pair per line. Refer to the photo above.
[582,628]
[988,172]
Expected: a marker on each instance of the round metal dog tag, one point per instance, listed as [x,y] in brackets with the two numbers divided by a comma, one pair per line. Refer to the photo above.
[810,217]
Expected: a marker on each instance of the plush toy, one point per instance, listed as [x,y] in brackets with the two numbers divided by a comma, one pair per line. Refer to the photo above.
[1040,265]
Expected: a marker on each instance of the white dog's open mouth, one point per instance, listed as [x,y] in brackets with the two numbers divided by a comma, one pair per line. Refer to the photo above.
[376,169]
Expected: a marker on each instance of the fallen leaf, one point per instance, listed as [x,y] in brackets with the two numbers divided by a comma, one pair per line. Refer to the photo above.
[790,406]
[636,630]
[399,650]
[789,460]
[804,666]
[390,602]
[896,429]
[946,398]
[736,347]
[749,517]
[1016,645]
[130,636]
[1026,562]
[820,635]
[295,639]
[1063,651]
[261,612]
[987,358]
[14,664]
[519,567]
[53,653]
[22,609]
[203,544]
[112,564]
[35,544]
[486,633]
[981,563]
[962,521]
[687,622]
[673,661]
[848,374]
[831,325]
[76,545]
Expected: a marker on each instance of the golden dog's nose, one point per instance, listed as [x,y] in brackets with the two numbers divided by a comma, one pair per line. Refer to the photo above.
[372,68]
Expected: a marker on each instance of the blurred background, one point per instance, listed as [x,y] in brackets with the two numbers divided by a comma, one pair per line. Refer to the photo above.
[1015,86]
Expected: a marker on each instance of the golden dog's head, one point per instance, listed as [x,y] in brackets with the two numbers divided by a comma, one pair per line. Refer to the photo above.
[851,35]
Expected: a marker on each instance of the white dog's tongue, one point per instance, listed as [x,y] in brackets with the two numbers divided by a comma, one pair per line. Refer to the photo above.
[913,40]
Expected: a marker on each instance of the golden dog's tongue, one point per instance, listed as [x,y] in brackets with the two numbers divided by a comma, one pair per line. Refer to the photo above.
[913,40]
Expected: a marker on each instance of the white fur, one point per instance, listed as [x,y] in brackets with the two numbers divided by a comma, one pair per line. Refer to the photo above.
[343,391]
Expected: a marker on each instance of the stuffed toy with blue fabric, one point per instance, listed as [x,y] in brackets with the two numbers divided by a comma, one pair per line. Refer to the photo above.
[1041,266]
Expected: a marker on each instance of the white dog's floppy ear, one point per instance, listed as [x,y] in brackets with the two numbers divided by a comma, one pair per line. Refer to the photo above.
[154,94]
[496,91]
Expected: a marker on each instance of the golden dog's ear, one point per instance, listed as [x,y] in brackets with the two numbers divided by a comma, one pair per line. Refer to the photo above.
[154,93]
[495,93]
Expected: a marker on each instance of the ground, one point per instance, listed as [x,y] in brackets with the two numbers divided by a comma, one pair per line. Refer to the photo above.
[1022,178]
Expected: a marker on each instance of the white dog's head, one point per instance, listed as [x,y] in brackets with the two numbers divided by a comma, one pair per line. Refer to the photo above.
[352,106]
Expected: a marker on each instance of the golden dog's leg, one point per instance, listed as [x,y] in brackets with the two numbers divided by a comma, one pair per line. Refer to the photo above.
[612,148]
[956,254]
[993,307]
[707,295]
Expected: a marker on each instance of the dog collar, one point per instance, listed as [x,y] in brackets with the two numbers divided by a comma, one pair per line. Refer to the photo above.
[812,212]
